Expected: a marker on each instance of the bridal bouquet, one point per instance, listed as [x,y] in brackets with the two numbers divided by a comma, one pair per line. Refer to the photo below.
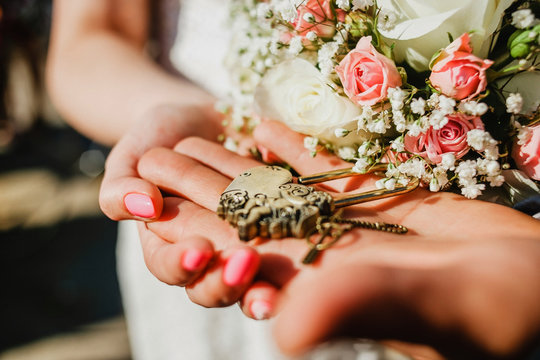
[446,93]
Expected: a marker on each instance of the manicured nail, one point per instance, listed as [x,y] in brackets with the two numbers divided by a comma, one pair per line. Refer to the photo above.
[260,309]
[194,260]
[140,205]
[238,266]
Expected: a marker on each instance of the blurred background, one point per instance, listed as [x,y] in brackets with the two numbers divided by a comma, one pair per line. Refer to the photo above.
[59,296]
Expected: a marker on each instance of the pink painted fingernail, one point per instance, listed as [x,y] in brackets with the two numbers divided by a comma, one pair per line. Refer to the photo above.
[260,309]
[194,260]
[140,205]
[238,266]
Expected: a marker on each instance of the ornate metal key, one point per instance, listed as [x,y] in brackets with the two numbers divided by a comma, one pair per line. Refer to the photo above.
[264,201]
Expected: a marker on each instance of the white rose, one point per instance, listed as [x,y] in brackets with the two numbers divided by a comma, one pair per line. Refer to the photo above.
[422,26]
[295,93]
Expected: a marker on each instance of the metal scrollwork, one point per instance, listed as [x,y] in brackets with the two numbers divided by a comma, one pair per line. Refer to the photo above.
[265,202]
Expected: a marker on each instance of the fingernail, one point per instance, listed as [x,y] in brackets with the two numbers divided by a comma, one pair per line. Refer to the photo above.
[140,205]
[260,309]
[194,260]
[238,268]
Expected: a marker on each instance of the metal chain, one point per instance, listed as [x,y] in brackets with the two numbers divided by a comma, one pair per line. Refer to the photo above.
[335,226]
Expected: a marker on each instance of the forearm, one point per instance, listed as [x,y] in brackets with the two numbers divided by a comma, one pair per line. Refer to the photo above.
[102,83]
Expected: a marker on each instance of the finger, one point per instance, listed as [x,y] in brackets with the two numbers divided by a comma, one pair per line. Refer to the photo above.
[179,174]
[314,311]
[215,156]
[123,194]
[183,219]
[289,146]
[226,279]
[175,263]
[259,301]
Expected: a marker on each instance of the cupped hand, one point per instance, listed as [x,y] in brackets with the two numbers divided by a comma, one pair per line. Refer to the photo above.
[124,194]
[200,171]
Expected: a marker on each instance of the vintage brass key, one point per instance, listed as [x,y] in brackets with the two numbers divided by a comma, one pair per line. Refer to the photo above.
[265,201]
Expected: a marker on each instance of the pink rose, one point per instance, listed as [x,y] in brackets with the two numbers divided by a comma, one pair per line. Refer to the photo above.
[451,138]
[527,156]
[366,74]
[457,73]
[323,23]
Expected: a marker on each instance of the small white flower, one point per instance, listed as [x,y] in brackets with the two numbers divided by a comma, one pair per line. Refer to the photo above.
[361,4]
[479,139]
[496,180]
[514,103]
[473,108]
[363,149]
[230,144]
[342,35]
[491,152]
[396,97]
[446,104]
[434,185]
[311,143]
[390,184]
[399,120]
[287,10]
[472,191]
[341,132]
[361,165]
[264,11]
[392,171]
[448,161]
[524,135]
[343,4]
[308,17]
[398,145]
[440,174]
[387,19]
[418,106]
[433,100]
[414,167]
[378,126]
[523,19]
[311,36]
[269,62]
[466,170]
[347,153]
[492,167]
[222,106]
[260,66]
[379,184]
[295,46]
[415,129]
[438,119]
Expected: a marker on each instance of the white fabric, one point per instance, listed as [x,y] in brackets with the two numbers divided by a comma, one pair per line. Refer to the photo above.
[163,323]
[202,44]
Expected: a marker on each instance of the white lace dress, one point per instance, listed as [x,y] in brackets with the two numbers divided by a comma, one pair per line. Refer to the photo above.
[162,322]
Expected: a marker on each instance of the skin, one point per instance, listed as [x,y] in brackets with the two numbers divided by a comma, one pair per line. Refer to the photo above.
[129,101]
[461,263]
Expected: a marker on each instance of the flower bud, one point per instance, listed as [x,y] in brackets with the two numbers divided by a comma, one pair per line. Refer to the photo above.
[359,24]
[520,51]
[520,42]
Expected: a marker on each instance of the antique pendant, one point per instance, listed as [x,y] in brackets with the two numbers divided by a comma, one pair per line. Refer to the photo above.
[266,201]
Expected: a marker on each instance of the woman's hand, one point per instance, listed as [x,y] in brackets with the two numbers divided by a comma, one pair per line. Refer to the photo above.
[200,171]
[184,256]
[124,194]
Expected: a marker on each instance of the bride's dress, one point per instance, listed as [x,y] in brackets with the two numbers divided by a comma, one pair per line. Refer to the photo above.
[162,322]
